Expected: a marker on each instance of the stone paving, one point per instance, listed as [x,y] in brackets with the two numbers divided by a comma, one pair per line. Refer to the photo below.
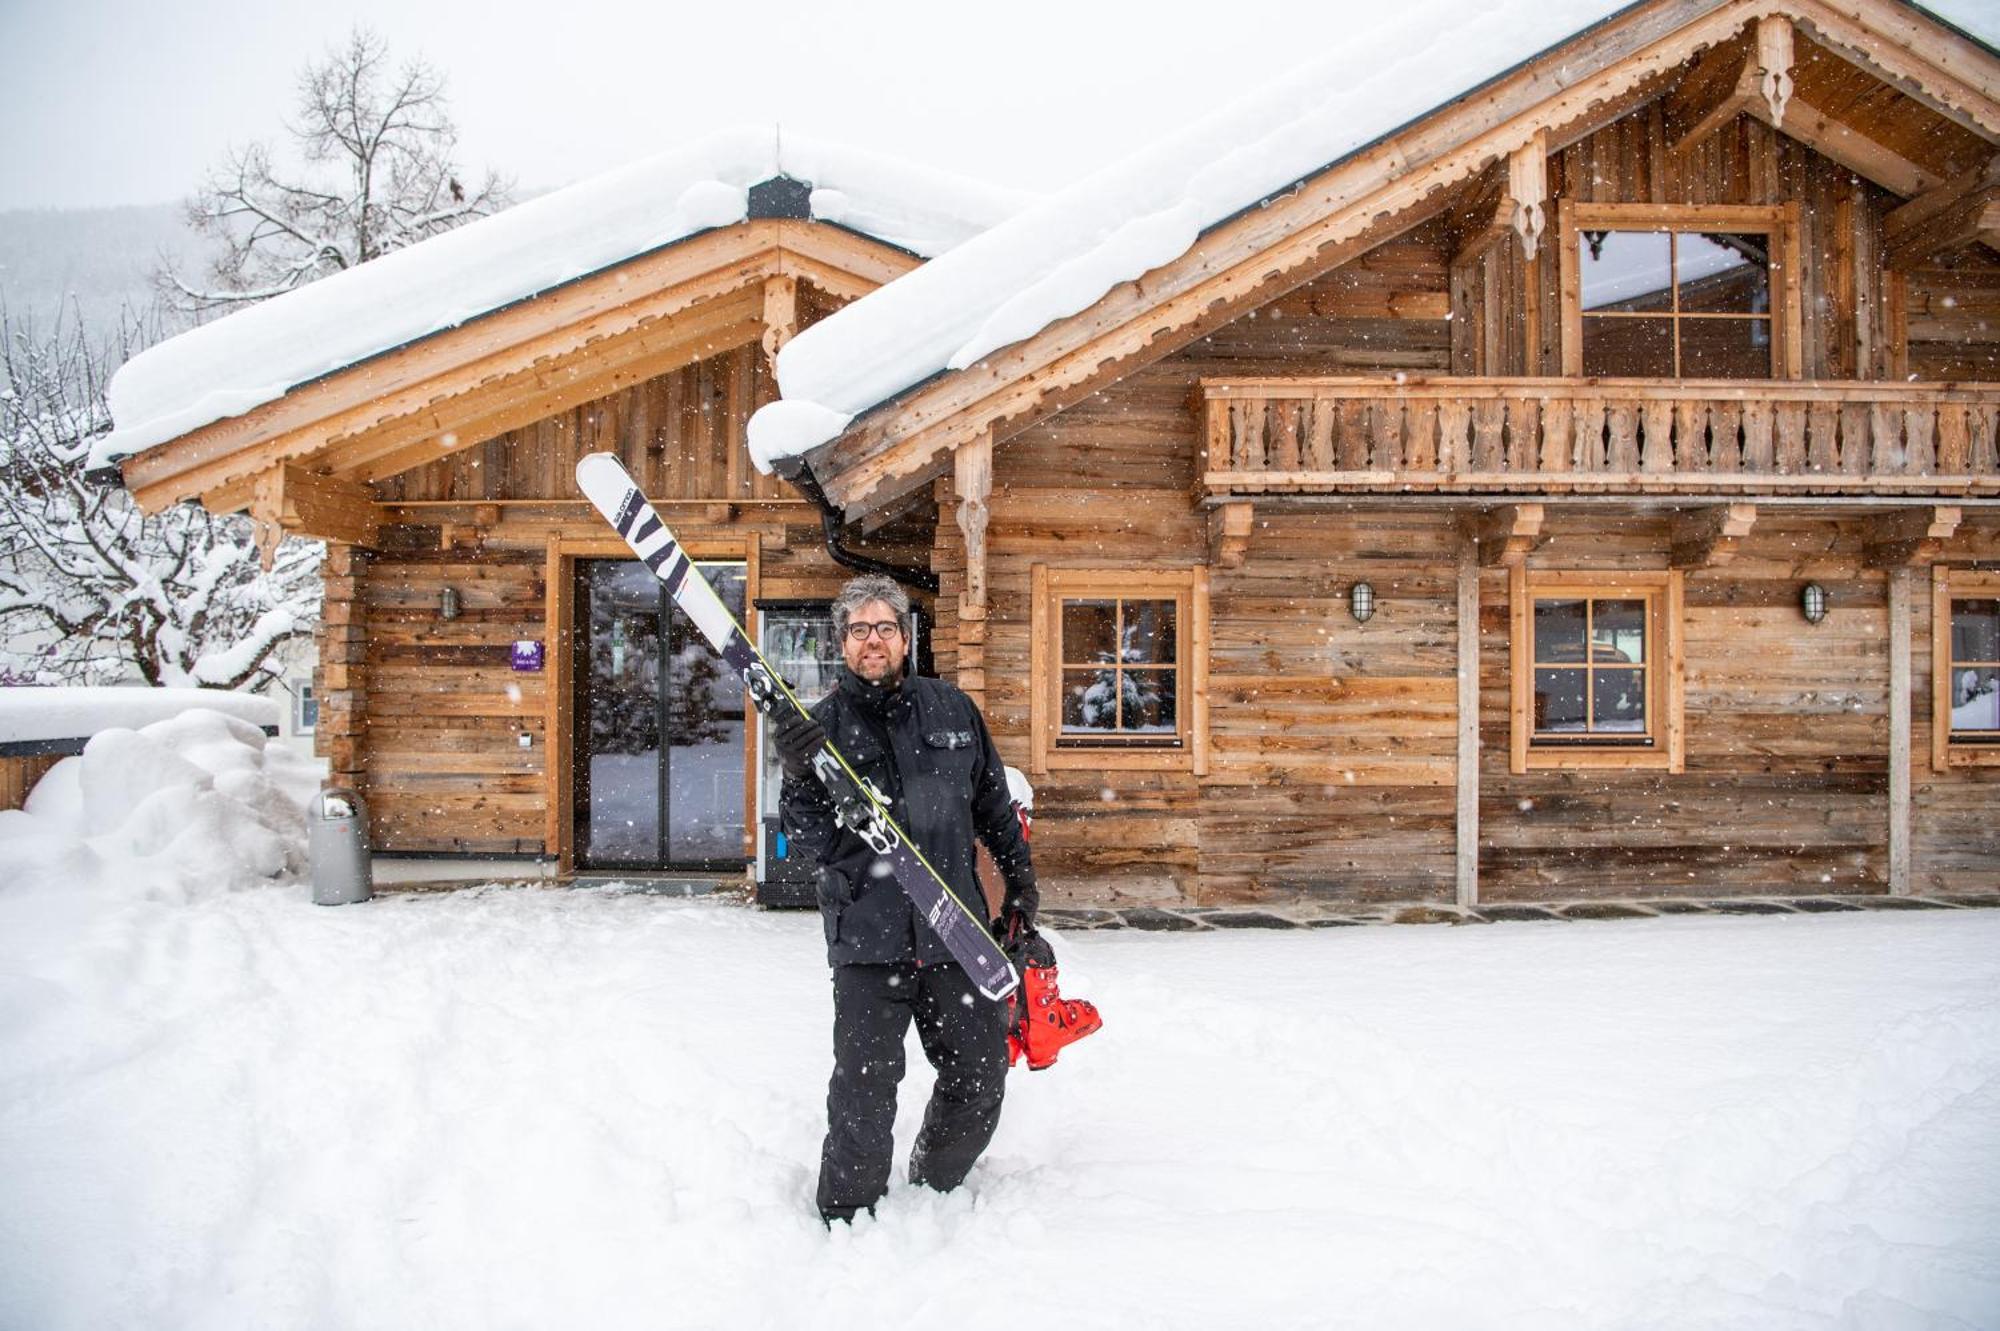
[1321,916]
[1289,915]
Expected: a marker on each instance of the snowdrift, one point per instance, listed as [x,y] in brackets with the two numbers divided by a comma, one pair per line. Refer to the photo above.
[594,1108]
[183,808]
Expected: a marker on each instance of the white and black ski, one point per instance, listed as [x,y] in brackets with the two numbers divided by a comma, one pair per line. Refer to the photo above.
[858,806]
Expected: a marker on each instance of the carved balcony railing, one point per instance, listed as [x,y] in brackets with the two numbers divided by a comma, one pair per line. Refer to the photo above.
[1270,436]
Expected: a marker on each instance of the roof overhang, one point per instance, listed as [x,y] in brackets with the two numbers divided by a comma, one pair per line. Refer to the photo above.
[1394,183]
[462,386]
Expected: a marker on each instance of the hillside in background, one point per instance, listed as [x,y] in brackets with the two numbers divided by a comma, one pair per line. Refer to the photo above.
[101,259]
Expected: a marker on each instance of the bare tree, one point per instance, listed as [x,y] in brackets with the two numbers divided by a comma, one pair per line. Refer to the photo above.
[378,145]
[92,591]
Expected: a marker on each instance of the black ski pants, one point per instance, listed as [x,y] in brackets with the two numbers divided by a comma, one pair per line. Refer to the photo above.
[964,1035]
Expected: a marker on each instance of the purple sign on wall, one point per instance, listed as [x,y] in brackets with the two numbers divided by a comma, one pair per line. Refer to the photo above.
[527,655]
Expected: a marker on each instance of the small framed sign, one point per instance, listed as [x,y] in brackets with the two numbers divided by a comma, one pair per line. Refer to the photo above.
[527,654]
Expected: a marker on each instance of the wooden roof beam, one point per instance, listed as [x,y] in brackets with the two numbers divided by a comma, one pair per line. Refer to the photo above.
[1951,74]
[1720,87]
[1733,79]
[1507,536]
[290,501]
[1842,143]
[1518,213]
[780,313]
[1963,210]
[1911,536]
[1709,537]
[1773,63]
[329,508]
[1229,527]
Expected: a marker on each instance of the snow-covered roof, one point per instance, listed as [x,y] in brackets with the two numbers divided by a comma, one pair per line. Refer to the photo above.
[41,714]
[254,356]
[1060,256]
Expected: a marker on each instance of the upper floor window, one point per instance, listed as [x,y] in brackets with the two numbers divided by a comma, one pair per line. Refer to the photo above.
[1678,292]
[1965,661]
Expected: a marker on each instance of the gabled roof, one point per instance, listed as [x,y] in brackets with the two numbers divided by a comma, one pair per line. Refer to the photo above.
[256,356]
[1157,249]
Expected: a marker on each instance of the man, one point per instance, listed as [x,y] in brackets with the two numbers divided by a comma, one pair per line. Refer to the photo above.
[926,748]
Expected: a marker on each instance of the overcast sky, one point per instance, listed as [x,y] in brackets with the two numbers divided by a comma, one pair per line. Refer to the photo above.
[123,101]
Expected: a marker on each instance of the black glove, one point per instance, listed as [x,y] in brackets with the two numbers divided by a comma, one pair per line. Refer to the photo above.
[796,737]
[1013,925]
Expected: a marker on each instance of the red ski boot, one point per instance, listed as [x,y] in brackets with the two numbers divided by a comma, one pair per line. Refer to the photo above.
[1042,1020]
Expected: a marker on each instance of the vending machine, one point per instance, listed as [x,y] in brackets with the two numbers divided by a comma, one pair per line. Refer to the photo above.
[797,639]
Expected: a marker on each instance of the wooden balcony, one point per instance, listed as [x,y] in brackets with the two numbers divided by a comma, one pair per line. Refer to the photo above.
[1298,436]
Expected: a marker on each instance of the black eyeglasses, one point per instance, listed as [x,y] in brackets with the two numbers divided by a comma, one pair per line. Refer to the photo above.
[885,630]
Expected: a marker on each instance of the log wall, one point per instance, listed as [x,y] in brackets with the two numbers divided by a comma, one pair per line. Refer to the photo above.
[426,715]
[18,776]
[1953,313]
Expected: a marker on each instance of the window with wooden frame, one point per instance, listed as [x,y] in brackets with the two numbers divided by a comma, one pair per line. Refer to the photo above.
[1680,292]
[1965,668]
[1596,662]
[1119,668]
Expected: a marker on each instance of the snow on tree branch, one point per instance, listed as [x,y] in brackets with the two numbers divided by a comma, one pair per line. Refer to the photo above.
[92,591]
[378,146]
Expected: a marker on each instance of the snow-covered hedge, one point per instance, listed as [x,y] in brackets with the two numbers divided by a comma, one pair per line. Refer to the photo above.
[186,807]
[76,712]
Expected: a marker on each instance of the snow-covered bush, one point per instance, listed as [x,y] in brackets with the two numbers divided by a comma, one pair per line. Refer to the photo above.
[184,808]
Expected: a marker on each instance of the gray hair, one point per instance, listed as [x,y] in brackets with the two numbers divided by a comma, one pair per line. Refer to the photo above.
[871,587]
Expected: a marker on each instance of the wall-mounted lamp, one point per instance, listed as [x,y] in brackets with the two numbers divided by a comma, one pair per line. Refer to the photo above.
[1812,602]
[1361,602]
[448,604]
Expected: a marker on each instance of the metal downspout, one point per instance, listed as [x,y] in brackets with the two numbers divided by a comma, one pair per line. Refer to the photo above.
[831,520]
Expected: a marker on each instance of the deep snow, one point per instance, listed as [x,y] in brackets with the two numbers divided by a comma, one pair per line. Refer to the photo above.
[533,1108]
[73,711]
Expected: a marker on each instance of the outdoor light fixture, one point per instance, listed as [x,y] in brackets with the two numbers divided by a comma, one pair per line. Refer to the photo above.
[1812,602]
[1361,601]
[448,604]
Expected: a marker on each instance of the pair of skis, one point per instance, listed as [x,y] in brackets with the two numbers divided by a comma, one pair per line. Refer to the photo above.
[858,806]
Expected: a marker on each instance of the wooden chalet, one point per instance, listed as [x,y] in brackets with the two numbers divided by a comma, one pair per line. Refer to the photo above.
[1586,489]
[496,675]
[1589,488]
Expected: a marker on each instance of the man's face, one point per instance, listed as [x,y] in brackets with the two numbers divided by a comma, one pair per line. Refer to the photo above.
[877,657]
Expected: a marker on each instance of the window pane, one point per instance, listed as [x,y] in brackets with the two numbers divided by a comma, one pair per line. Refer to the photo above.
[1975,698]
[1625,270]
[1725,348]
[1558,630]
[1618,697]
[1618,632]
[1149,701]
[1723,274]
[1089,701]
[1088,629]
[1628,348]
[1559,700]
[1149,633]
[1975,630]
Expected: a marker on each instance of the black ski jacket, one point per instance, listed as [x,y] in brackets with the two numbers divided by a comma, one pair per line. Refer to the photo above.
[925,746]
